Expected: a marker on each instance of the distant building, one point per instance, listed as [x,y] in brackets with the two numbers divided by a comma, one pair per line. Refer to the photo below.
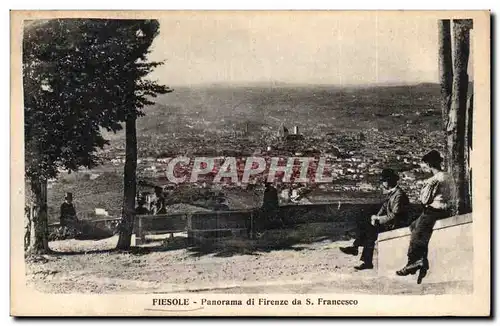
[364,186]
[94,176]
[101,212]
[283,131]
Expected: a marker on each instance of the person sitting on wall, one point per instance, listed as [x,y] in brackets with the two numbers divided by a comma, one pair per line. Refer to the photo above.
[221,203]
[393,214]
[159,204]
[140,209]
[72,227]
[435,197]
[269,211]
[68,213]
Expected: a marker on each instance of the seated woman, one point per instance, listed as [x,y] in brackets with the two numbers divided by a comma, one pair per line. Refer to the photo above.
[435,197]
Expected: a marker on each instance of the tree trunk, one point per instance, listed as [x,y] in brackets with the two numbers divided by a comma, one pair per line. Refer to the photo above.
[445,72]
[28,213]
[38,242]
[129,183]
[468,149]
[457,115]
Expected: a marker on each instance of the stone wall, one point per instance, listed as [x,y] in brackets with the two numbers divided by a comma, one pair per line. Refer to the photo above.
[450,251]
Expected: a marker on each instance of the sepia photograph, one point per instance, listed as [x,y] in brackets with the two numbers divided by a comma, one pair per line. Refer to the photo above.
[250,163]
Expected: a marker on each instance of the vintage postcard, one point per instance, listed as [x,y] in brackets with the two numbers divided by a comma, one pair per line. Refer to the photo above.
[250,163]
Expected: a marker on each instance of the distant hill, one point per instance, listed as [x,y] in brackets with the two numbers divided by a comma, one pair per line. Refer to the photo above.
[208,114]
[215,108]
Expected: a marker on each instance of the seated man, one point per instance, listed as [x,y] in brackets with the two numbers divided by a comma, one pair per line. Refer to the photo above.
[68,212]
[392,215]
[221,203]
[269,211]
[72,227]
[436,199]
[159,206]
[140,209]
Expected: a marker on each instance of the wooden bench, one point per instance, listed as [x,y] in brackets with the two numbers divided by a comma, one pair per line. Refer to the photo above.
[158,224]
[198,224]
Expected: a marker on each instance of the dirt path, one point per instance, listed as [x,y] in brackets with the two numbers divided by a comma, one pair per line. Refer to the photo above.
[237,267]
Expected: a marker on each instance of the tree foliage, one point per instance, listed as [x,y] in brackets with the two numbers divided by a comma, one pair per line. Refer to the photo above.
[81,75]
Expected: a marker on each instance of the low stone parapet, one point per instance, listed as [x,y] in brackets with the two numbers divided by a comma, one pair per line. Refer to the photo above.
[450,251]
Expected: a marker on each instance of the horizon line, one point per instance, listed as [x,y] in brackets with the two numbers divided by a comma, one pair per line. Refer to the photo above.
[282,83]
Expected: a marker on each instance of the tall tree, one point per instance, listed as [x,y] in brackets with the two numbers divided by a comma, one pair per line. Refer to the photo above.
[140,35]
[468,148]
[457,117]
[456,110]
[445,71]
[78,76]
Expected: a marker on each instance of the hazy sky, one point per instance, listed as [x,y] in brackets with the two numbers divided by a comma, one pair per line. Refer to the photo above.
[314,47]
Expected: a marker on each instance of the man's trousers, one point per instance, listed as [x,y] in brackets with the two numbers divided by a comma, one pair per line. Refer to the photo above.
[421,232]
[366,237]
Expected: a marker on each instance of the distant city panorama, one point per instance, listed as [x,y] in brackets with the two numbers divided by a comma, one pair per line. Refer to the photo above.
[359,131]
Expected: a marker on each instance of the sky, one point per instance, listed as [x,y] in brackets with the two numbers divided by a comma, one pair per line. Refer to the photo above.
[303,48]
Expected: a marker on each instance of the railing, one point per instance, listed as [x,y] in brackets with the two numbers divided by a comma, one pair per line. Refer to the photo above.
[197,222]
[237,220]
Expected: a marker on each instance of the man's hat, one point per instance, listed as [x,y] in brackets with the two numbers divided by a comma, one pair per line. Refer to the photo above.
[432,157]
[69,195]
[388,175]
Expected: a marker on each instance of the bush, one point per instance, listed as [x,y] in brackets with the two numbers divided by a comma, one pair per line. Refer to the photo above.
[64,233]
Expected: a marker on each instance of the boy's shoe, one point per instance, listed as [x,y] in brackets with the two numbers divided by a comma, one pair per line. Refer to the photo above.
[349,250]
[364,266]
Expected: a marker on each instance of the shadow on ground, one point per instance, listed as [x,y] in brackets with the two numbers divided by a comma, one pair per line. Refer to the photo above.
[296,238]
[305,226]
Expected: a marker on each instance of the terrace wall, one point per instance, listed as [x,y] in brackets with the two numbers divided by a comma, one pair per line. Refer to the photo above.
[450,251]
